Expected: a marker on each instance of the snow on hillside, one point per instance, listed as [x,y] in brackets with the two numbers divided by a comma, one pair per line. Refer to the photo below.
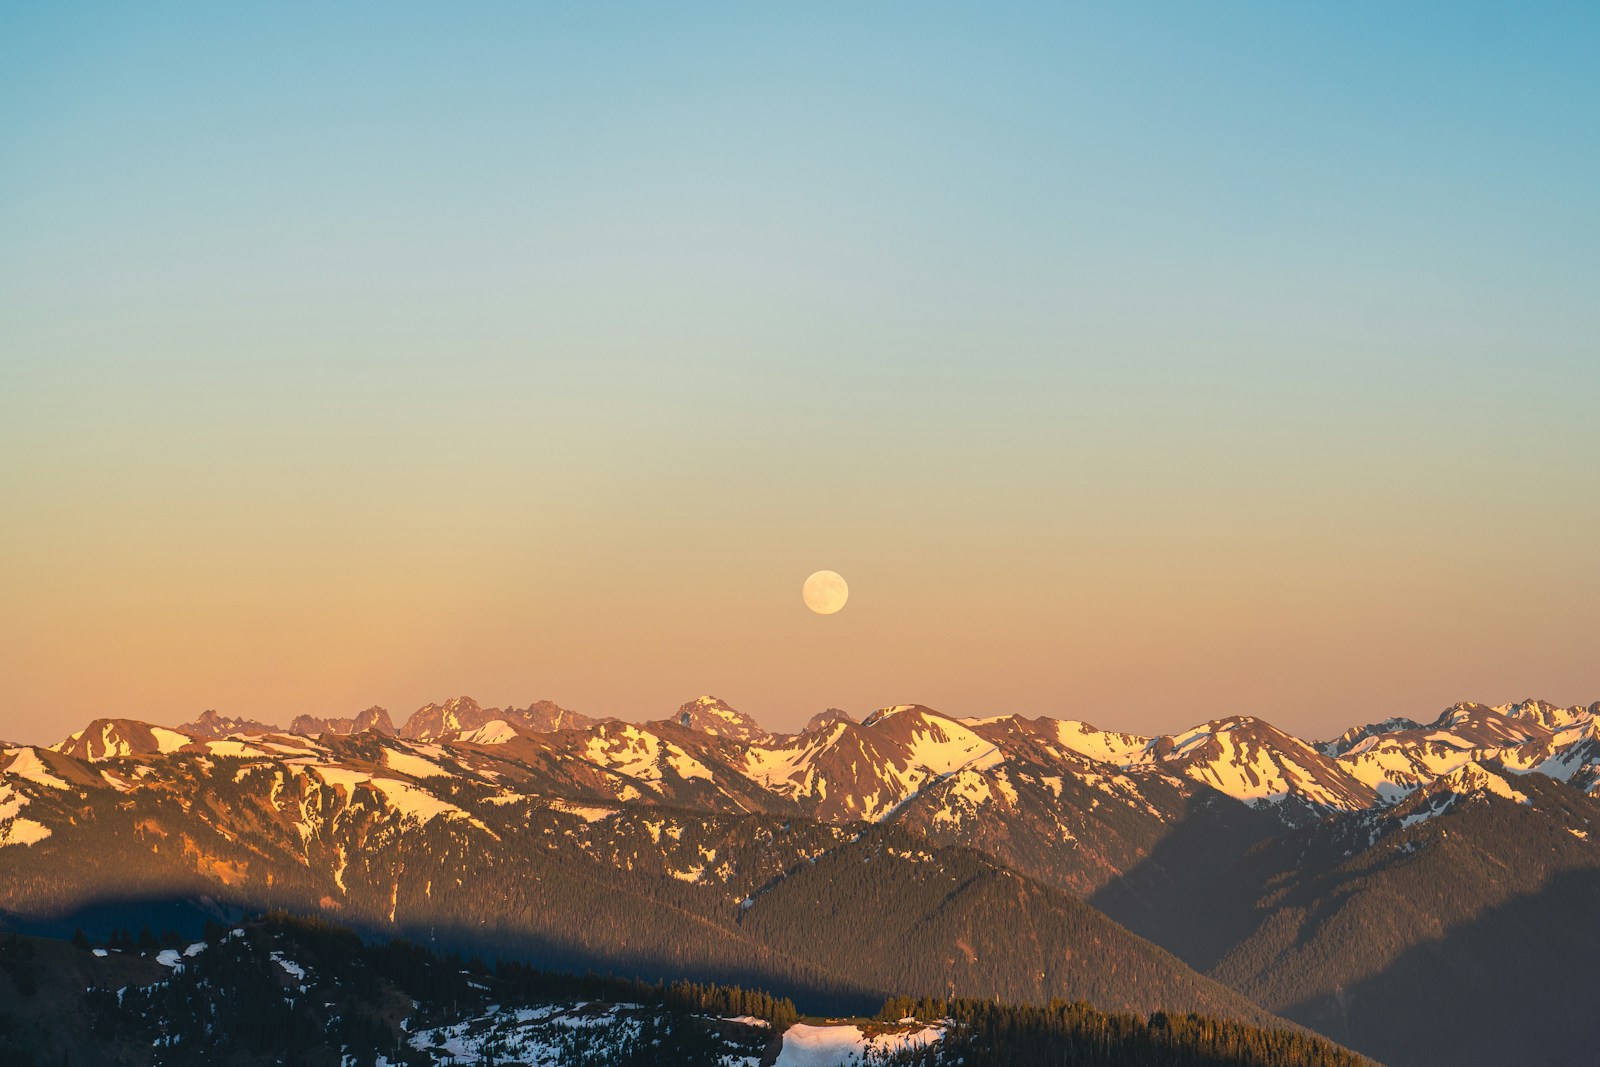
[116,738]
[846,1045]
[547,1035]
[414,765]
[640,754]
[14,829]
[867,770]
[408,800]
[1255,772]
[942,746]
[842,770]
[1104,745]
[714,716]
[1469,780]
[494,732]
[25,763]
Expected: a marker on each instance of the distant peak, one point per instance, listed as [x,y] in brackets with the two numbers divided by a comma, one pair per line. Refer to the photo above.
[713,715]
[823,719]
[211,724]
[1356,735]
[1472,778]
[1239,722]
[890,712]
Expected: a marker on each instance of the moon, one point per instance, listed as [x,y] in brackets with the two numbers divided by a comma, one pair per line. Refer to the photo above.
[825,592]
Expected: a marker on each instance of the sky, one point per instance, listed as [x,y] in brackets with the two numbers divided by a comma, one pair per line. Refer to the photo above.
[1139,363]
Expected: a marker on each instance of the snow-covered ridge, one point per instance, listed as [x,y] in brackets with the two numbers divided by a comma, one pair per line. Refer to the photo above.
[1471,780]
[843,770]
[493,732]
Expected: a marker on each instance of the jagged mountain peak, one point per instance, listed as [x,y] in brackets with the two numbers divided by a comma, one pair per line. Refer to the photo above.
[375,719]
[546,716]
[1249,759]
[1357,734]
[1548,715]
[433,721]
[1472,782]
[1474,778]
[713,715]
[210,724]
[884,714]
[824,719]
[867,770]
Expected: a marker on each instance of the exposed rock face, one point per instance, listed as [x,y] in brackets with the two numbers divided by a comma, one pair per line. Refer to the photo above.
[433,721]
[546,716]
[712,715]
[374,719]
[823,719]
[113,738]
[210,724]
[463,715]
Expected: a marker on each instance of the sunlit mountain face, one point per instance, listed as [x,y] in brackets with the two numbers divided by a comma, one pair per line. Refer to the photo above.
[1229,868]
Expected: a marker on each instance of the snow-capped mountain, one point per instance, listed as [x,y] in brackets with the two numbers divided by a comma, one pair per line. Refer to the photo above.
[865,770]
[715,757]
[106,739]
[713,715]
[1251,760]
[1356,734]
[433,721]
[1220,842]
[1396,762]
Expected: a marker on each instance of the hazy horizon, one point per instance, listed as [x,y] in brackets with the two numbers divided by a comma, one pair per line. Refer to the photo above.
[1142,366]
[399,715]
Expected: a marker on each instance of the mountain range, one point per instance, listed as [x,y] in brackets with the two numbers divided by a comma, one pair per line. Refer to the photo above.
[1422,893]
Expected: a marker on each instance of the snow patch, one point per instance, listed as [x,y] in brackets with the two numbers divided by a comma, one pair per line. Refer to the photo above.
[415,766]
[27,764]
[805,1045]
[290,967]
[586,812]
[494,732]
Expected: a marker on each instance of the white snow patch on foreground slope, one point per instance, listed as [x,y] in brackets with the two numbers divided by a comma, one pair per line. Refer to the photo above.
[15,830]
[805,1045]
[543,1036]
[290,967]
[169,740]
[586,812]
[26,763]
[415,766]
[1474,779]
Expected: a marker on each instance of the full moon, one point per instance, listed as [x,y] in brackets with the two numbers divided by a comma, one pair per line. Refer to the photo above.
[825,592]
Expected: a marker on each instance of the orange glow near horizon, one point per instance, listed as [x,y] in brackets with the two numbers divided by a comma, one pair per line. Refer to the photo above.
[547,362]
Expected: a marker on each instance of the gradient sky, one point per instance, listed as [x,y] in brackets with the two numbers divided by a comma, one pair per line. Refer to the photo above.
[1137,363]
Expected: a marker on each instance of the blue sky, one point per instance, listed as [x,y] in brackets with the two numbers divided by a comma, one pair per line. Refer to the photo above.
[1050,306]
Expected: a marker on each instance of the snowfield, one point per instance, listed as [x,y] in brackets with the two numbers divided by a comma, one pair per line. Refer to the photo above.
[844,1045]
